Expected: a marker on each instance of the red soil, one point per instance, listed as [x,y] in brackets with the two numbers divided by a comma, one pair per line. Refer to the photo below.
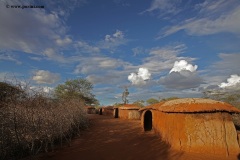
[118,139]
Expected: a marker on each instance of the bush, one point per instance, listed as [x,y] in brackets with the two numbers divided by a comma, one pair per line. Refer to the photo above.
[36,123]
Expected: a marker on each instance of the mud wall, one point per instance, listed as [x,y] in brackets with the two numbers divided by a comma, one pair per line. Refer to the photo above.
[107,111]
[212,133]
[128,113]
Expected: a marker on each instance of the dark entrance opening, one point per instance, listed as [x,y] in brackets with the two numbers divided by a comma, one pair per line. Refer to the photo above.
[100,111]
[115,112]
[148,121]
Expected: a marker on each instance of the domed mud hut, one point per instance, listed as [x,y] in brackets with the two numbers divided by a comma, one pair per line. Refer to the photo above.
[90,110]
[128,111]
[194,125]
[107,110]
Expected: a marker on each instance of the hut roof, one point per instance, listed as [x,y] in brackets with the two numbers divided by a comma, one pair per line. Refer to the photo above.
[129,106]
[193,105]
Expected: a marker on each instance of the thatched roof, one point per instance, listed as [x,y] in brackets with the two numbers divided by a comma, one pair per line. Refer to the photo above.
[129,106]
[192,105]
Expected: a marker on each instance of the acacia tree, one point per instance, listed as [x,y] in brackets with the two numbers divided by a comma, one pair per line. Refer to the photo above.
[139,103]
[232,98]
[80,89]
[152,101]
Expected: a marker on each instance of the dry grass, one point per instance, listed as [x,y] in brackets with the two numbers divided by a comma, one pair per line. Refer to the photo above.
[35,123]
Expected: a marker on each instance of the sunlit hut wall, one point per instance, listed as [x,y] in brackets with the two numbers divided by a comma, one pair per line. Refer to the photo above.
[129,111]
[107,110]
[194,125]
[90,109]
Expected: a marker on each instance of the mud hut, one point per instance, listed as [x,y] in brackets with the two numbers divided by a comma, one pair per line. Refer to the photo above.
[107,110]
[194,125]
[90,110]
[128,111]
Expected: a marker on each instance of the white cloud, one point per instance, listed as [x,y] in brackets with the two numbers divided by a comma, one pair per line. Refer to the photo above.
[184,79]
[63,42]
[98,65]
[85,47]
[182,76]
[160,59]
[19,33]
[232,81]
[42,76]
[4,55]
[183,65]
[118,35]
[138,50]
[140,77]
[113,41]
[228,64]
[165,7]
[214,18]
[35,58]
[36,30]
[51,54]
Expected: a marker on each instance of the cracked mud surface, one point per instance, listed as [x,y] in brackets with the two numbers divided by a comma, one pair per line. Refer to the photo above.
[118,139]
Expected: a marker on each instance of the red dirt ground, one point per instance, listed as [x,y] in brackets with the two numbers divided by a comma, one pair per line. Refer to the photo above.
[117,139]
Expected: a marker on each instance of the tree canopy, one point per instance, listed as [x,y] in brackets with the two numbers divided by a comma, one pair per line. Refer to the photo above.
[139,103]
[168,99]
[152,101]
[232,98]
[9,92]
[80,89]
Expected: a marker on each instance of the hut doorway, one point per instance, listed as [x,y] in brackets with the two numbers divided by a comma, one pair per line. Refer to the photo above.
[116,113]
[100,111]
[148,121]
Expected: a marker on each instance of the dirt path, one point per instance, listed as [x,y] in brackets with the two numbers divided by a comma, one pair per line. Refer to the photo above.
[117,139]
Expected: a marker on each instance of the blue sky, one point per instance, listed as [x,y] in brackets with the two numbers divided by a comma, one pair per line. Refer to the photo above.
[157,48]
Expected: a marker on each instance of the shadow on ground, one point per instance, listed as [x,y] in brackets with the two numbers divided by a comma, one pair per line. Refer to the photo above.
[114,139]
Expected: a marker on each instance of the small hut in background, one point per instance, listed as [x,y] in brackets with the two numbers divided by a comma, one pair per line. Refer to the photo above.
[107,110]
[128,111]
[90,109]
[194,125]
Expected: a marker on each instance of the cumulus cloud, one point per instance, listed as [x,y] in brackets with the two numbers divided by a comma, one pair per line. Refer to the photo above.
[183,65]
[140,77]
[182,76]
[42,76]
[232,81]
[184,79]
[160,59]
